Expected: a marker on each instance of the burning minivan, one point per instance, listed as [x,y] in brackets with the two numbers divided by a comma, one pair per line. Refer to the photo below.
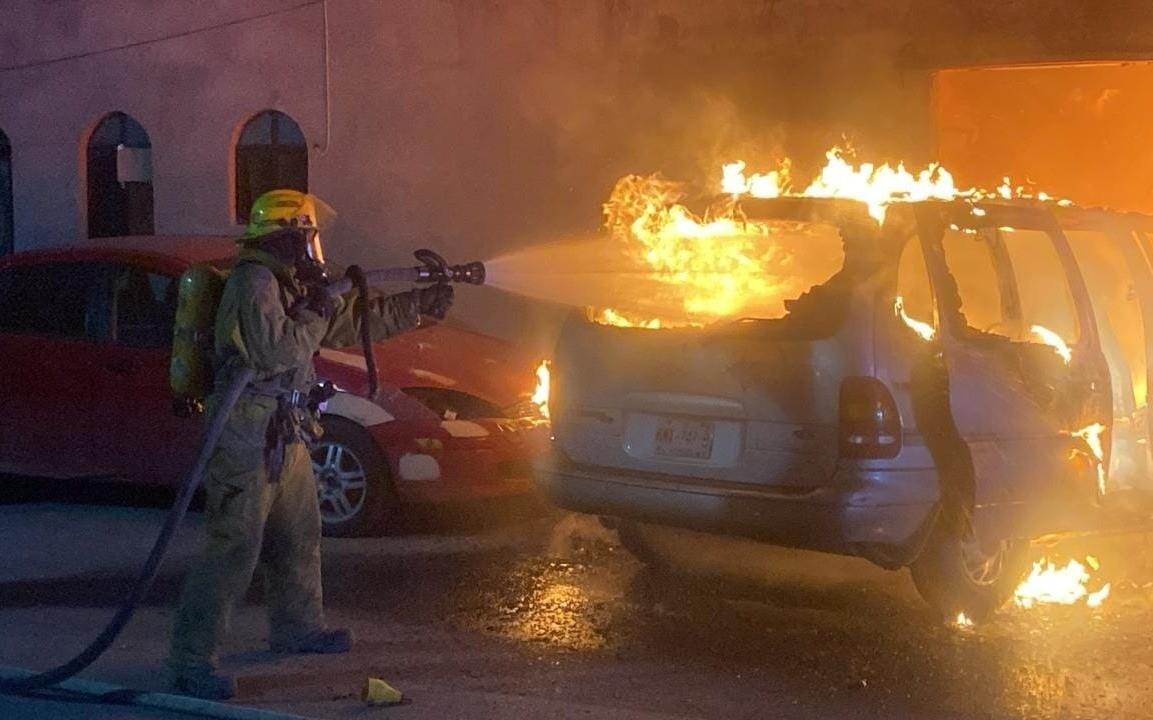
[933,383]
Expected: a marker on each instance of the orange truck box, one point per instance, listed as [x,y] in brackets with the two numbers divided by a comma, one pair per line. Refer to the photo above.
[1083,131]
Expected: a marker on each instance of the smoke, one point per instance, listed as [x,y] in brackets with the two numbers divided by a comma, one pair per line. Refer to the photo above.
[604,130]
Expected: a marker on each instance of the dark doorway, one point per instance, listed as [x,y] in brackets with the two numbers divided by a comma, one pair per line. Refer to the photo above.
[271,154]
[119,178]
[7,213]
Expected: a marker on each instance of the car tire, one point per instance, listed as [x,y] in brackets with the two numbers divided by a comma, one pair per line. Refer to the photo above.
[354,486]
[955,575]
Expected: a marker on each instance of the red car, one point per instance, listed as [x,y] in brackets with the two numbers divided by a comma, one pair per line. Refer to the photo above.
[85,335]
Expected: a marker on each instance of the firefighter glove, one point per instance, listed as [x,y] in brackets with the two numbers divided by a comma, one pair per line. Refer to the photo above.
[320,302]
[434,300]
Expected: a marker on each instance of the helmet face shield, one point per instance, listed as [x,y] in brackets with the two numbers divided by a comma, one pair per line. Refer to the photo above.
[312,246]
[324,217]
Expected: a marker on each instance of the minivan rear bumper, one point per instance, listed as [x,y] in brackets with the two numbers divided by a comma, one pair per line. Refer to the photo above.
[882,515]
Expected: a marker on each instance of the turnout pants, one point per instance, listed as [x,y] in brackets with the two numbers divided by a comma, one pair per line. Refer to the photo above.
[250,520]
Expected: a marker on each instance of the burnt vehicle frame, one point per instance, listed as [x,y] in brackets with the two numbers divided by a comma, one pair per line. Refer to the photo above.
[993,448]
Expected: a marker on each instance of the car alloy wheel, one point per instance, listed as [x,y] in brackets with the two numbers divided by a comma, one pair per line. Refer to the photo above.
[957,573]
[984,568]
[341,482]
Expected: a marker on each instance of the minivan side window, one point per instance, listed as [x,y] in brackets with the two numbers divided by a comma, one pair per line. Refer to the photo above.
[1042,285]
[144,307]
[1012,284]
[1117,306]
[56,299]
[913,284]
[969,257]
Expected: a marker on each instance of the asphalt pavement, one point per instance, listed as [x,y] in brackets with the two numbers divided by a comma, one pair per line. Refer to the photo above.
[512,610]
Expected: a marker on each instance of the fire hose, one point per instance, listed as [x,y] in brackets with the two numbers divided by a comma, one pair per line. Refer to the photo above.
[104,640]
[433,269]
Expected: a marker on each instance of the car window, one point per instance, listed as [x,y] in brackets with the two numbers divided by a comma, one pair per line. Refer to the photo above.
[969,258]
[144,306]
[913,284]
[1012,284]
[57,299]
[1117,308]
[1042,286]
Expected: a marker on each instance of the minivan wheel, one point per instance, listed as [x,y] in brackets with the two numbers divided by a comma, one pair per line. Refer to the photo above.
[353,485]
[957,574]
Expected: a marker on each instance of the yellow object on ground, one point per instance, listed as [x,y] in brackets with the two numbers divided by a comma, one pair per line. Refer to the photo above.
[378,692]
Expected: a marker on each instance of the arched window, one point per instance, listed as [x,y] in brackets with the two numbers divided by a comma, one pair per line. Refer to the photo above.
[7,230]
[270,154]
[119,178]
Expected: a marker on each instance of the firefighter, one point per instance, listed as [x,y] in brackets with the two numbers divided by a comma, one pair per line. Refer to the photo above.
[261,502]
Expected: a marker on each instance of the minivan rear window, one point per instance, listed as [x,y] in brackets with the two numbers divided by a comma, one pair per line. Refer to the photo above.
[759,272]
[795,257]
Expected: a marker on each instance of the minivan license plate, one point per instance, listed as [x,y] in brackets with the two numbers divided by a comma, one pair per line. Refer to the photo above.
[681,438]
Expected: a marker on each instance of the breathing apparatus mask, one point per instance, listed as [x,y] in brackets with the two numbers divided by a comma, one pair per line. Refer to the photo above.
[298,248]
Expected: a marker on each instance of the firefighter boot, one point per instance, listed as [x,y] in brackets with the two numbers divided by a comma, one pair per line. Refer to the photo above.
[204,684]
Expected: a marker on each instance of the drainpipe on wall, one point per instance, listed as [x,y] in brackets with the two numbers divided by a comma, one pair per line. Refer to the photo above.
[327,88]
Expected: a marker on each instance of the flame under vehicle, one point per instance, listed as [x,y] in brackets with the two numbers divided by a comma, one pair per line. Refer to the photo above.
[86,334]
[931,387]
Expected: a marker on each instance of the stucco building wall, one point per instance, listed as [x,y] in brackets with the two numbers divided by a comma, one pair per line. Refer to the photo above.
[478,126]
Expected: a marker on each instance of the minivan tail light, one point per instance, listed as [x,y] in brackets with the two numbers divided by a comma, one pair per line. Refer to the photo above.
[870,426]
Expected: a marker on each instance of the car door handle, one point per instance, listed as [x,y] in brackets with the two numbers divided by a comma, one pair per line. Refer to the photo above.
[123,367]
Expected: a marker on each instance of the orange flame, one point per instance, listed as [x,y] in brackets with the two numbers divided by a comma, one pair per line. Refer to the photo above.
[1048,584]
[1091,434]
[876,186]
[711,266]
[717,262]
[543,382]
[924,329]
[1054,341]
[608,316]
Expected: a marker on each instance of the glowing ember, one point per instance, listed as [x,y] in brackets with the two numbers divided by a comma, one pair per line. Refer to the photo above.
[540,395]
[1091,434]
[924,329]
[962,621]
[1049,585]
[1054,341]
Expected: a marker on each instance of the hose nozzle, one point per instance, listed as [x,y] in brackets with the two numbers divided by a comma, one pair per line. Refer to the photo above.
[435,269]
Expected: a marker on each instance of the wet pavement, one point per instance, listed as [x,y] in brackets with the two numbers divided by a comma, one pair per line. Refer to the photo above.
[825,632]
[520,611]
